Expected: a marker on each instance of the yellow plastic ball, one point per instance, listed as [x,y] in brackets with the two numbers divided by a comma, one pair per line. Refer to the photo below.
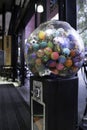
[41,35]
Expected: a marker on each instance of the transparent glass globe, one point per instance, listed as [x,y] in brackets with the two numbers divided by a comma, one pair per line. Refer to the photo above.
[55,48]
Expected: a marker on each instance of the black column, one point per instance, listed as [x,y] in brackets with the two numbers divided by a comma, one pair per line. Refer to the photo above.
[14,55]
[67,11]
[43,16]
[71,13]
[62,10]
[22,56]
[14,43]
[3,25]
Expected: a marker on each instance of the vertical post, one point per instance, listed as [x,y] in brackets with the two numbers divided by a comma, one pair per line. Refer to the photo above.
[67,11]
[22,57]
[35,16]
[14,55]
[3,26]
[14,44]
[71,15]
[44,13]
[35,9]
[62,10]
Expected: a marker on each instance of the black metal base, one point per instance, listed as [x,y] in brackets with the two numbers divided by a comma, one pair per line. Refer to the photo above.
[60,97]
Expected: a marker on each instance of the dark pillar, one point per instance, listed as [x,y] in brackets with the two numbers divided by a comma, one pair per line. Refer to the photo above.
[43,17]
[14,55]
[62,10]
[67,11]
[3,26]
[14,43]
[71,13]
[22,57]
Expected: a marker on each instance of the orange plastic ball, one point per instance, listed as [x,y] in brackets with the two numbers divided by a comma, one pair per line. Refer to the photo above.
[38,61]
[48,51]
[72,53]
[68,63]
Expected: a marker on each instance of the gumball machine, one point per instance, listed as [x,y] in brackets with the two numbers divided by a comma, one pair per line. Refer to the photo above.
[55,54]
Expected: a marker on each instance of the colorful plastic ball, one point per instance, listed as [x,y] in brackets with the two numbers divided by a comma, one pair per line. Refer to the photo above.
[42,35]
[62,59]
[76,59]
[78,64]
[71,37]
[49,34]
[50,44]
[68,63]
[35,47]
[72,45]
[66,51]
[60,32]
[57,48]
[73,53]
[55,55]
[60,66]
[33,55]
[51,63]
[58,40]
[48,51]
[40,53]
[38,61]
[43,44]
[45,58]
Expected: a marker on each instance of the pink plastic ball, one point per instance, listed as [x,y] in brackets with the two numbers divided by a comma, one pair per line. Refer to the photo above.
[55,55]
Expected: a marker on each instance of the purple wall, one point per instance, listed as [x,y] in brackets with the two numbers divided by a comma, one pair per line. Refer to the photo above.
[30,27]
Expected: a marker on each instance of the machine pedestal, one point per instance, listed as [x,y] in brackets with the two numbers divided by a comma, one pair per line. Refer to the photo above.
[54,103]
